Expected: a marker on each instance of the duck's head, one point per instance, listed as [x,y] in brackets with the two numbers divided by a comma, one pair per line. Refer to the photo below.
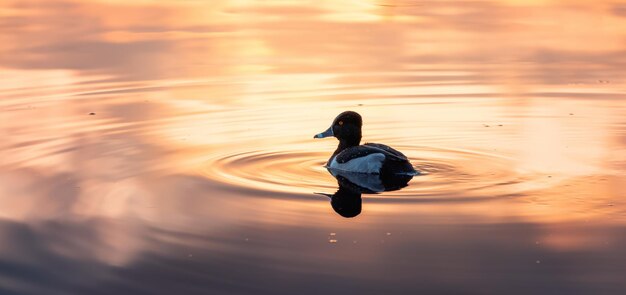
[346,127]
[346,202]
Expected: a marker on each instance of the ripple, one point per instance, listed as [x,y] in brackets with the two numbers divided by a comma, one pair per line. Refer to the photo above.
[445,173]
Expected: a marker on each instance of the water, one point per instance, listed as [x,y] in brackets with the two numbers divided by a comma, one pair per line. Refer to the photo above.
[197,172]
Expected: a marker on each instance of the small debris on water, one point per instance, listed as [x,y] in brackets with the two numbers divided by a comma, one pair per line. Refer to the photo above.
[610,205]
[485,125]
[571,114]
[388,234]
[92,114]
[333,234]
[332,241]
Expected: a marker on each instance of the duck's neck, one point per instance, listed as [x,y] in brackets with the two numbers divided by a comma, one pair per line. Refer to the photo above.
[346,143]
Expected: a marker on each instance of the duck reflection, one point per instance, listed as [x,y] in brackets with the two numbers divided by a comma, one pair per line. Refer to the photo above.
[346,201]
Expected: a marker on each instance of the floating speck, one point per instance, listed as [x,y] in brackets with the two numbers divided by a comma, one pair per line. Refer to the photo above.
[92,114]
[333,234]
[388,234]
[332,241]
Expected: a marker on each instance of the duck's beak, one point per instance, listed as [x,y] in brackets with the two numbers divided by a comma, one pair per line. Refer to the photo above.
[323,194]
[327,133]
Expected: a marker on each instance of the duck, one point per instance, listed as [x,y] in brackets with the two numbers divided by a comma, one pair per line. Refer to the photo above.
[368,158]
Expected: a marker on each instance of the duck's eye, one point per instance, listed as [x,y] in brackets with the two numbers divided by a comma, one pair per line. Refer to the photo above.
[340,122]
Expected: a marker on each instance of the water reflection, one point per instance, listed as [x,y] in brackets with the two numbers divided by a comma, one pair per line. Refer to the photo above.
[196,172]
[347,202]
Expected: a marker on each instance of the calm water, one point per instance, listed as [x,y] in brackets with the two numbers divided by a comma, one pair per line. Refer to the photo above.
[197,172]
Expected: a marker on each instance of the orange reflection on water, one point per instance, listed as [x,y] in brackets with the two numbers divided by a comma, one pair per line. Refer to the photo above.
[198,77]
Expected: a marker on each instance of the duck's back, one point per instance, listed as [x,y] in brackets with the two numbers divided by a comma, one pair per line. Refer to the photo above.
[391,151]
[372,158]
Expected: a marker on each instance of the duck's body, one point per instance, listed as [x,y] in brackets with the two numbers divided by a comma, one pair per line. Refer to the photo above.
[370,158]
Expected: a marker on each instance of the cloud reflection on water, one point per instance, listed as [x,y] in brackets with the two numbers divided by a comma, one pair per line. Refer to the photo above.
[210,39]
[257,259]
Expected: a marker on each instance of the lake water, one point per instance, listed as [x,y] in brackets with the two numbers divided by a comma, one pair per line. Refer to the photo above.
[165,147]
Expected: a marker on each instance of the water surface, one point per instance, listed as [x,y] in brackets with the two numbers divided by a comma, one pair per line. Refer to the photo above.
[161,147]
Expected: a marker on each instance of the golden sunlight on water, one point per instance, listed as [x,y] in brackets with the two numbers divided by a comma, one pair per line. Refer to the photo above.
[154,147]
